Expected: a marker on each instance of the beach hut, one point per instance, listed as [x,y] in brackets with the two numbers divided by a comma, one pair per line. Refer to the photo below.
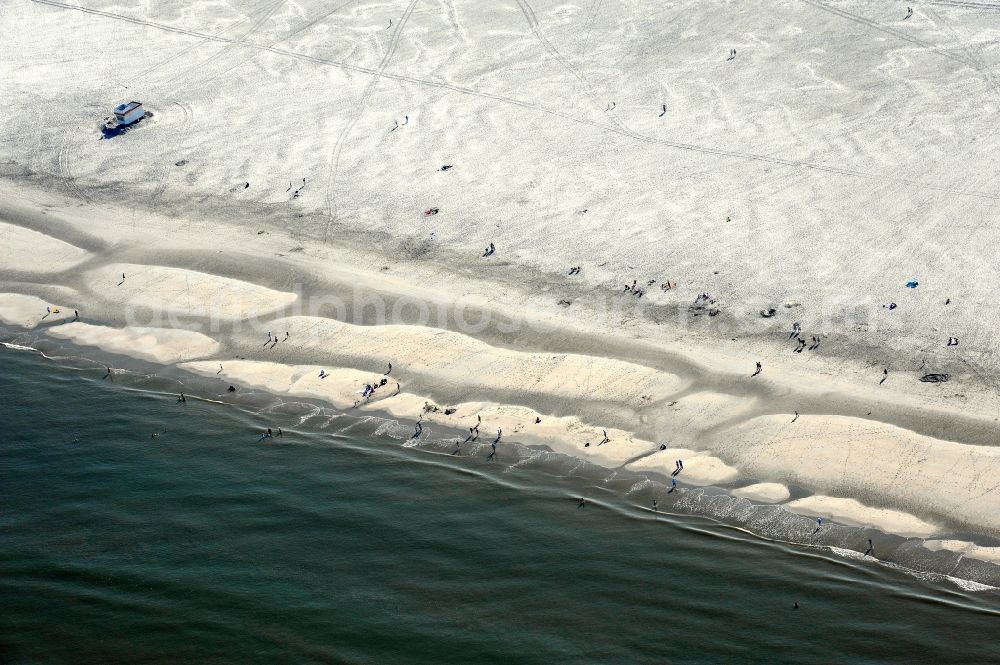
[129,112]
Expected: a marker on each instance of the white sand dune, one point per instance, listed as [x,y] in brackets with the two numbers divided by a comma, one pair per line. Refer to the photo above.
[965,548]
[568,435]
[338,387]
[27,250]
[854,513]
[184,292]
[341,387]
[854,457]
[454,358]
[763,492]
[27,311]
[700,468]
[160,345]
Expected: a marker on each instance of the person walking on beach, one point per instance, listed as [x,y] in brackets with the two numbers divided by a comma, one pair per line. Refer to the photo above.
[673,486]
[605,439]
[388,371]
[759,369]
[885,375]
[819,525]
[493,451]
[76,315]
[417,430]
[796,416]
[871,547]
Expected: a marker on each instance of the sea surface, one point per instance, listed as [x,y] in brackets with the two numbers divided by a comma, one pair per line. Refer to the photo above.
[342,542]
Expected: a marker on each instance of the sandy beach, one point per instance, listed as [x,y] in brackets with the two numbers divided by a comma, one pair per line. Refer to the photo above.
[271,225]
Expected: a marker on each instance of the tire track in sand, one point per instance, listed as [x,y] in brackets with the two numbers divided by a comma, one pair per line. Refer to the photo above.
[67,174]
[529,15]
[187,113]
[899,34]
[707,150]
[331,184]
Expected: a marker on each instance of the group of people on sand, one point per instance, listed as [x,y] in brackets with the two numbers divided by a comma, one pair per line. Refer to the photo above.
[634,289]
[474,436]
[368,390]
[272,340]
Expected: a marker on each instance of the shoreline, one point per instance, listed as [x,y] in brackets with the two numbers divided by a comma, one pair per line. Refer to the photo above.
[571,367]
[981,564]
[691,500]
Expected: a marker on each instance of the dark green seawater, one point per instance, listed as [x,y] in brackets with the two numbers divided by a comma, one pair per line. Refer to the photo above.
[337,544]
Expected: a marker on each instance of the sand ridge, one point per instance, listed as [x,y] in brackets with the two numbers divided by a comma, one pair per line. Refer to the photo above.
[159,345]
[854,513]
[763,492]
[30,251]
[184,292]
[28,312]
[567,435]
